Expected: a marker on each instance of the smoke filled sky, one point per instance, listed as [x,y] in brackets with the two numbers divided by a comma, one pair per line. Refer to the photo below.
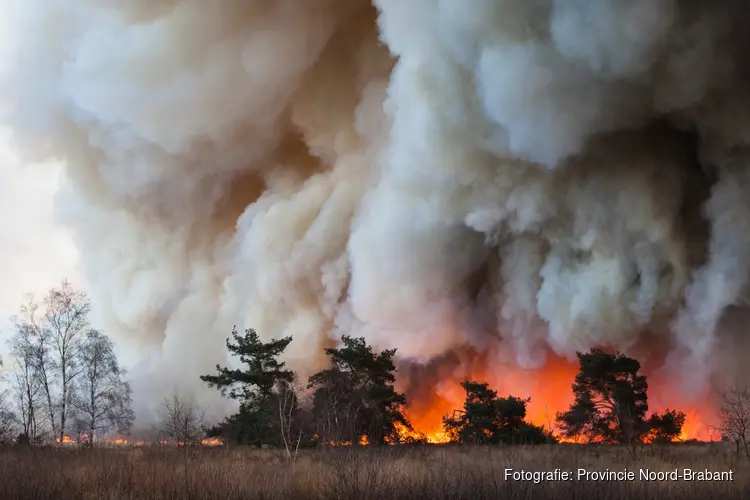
[484,182]
[36,252]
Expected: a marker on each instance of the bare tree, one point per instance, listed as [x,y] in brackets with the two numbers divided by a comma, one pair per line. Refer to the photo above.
[58,331]
[734,413]
[103,399]
[79,430]
[7,418]
[181,419]
[286,395]
[36,340]
[25,383]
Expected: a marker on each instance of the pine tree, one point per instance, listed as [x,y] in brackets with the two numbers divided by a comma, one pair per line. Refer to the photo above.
[356,396]
[259,388]
[611,403]
[488,419]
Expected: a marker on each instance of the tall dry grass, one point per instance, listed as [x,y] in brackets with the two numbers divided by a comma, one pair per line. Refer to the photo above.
[427,472]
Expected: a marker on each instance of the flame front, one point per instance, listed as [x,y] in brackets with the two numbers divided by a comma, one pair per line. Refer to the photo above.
[65,440]
[550,390]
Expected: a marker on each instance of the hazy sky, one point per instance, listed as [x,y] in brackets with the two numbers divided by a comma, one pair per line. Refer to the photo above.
[35,252]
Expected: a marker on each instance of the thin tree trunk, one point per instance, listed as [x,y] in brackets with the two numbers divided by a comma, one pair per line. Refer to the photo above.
[50,408]
[63,408]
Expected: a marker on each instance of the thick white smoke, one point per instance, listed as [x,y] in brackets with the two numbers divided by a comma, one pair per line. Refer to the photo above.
[509,175]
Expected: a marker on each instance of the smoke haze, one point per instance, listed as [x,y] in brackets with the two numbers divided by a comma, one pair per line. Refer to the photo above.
[501,182]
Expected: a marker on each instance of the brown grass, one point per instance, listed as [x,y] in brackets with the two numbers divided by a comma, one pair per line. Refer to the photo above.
[427,472]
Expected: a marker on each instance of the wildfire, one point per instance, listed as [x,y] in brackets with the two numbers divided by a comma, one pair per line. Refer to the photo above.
[343,443]
[405,434]
[120,441]
[64,440]
[550,392]
[363,441]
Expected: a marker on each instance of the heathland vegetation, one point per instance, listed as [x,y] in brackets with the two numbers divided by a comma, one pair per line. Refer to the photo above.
[342,433]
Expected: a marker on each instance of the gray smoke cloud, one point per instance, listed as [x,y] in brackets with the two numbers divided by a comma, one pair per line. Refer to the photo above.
[515,177]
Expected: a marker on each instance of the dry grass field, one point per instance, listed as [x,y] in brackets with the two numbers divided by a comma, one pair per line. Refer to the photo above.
[426,472]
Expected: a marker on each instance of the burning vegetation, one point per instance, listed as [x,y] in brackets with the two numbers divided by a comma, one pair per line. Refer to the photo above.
[115,442]
[355,402]
[361,399]
[486,200]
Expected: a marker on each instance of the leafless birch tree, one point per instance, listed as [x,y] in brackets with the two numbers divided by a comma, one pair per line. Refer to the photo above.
[56,331]
[103,399]
[25,385]
[734,413]
[181,419]
[7,418]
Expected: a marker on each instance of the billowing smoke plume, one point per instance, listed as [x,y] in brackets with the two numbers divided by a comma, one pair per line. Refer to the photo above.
[504,177]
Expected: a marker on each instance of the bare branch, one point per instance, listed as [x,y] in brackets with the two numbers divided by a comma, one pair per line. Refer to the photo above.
[181,420]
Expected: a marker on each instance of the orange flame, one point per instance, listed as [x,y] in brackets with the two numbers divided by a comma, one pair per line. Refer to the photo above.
[406,435]
[363,441]
[335,444]
[550,390]
[212,442]
[65,440]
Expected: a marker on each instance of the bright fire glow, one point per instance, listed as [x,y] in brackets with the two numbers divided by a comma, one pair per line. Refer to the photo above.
[550,391]
[343,443]
[120,441]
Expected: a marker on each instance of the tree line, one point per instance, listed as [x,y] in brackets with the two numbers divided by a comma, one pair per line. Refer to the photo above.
[65,381]
[354,401]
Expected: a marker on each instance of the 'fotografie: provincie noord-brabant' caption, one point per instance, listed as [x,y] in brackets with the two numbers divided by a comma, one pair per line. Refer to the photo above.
[618,475]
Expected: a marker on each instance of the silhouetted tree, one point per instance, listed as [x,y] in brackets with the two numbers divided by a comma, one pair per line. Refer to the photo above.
[611,403]
[356,396]
[261,388]
[666,427]
[610,400]
[734,414]
[488,419]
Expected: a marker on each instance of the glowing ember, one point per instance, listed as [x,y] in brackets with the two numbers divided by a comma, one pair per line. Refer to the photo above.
[335,444]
